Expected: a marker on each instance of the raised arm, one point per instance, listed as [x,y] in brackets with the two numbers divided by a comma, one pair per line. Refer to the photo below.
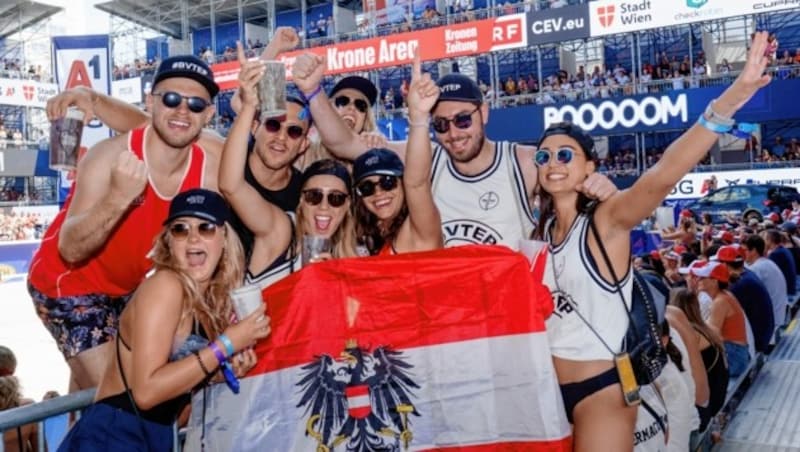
[307,72]
[283,40]
[629,207]
[269,224]
[423,215]
[120,116]
[110,177]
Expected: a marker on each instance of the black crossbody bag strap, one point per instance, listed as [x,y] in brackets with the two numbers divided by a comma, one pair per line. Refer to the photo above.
[618,288]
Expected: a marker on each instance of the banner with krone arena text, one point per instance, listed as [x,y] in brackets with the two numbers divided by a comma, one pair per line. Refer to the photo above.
[443,350]
[456,40]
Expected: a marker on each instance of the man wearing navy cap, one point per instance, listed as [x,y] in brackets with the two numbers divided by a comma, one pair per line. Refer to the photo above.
[483,189]
[94,254]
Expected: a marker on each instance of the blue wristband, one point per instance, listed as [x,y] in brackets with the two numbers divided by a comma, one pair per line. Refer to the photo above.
[230,377]
[713,126]
[744,130]
[227,343]
[217,352]
[313,94]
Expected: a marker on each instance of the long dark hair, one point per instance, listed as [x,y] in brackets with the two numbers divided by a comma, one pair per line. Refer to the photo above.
[584,203]
[687,301]
[369,233]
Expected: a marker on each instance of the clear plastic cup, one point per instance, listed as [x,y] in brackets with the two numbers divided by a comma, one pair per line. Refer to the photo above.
[272,90]
[246,300]
[65,140]
[314,247]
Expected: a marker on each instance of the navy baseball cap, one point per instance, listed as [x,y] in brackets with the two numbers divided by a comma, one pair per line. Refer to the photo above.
[199,203]
[575,132]
[459,87]
[377,161]
[187,66]
[327,167]
[360,84]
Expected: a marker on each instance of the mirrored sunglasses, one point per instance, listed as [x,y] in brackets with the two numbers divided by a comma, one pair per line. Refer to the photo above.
[274,126]
[343,101]
[171,99]
[314,196]
[461,121]
[563,156]
[367,188]
[180,231]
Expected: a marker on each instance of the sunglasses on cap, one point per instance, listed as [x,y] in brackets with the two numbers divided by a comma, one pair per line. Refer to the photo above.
[274,126]
[366,188]
[342,101]
[563,156]
[180,230]
[461,121]
[171,99]
[314,196]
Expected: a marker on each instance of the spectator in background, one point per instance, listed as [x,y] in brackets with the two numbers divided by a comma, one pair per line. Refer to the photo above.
[23,438]
[773,240]
[510,87]
[778,150]
[769,274]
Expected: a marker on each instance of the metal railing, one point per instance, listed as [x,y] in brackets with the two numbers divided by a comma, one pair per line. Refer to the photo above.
[39,412]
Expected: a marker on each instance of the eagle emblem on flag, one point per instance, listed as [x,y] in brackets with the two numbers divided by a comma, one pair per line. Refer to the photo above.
[361,400]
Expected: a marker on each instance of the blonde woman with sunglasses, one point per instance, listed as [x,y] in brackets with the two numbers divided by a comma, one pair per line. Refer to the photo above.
[323,210]
[395,211]
[175,334]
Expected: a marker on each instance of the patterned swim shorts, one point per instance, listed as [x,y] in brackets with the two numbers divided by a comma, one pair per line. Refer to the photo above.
[79,322]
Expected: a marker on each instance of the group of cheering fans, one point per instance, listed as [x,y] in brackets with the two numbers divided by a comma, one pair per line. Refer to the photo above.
[164,219]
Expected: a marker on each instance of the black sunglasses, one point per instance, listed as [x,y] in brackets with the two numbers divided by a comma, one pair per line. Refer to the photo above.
[171,99]
[274,126]
[314,196]
[461,121]
[180,231]
[563,156]
[343,101]
[366,188]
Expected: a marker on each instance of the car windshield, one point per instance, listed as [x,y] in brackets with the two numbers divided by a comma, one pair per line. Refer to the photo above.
[719,196]
[739,194]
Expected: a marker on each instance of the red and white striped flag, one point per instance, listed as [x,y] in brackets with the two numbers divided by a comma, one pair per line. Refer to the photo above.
[444,350]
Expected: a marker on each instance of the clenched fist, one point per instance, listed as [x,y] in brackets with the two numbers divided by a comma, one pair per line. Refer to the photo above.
[128,177]
[307,72]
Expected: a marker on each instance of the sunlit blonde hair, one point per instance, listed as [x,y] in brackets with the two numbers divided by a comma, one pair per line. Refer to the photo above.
[9,392]
[214,305]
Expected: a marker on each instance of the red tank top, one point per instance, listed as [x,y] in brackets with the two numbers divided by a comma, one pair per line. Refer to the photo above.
[733,328]
[121,264]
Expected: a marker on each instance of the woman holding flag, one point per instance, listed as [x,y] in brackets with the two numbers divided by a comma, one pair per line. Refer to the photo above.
[589,322]
[175,332]
[395,211]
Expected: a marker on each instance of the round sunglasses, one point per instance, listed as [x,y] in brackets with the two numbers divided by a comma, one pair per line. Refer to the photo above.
[171,99]
[563,156]
[461,121]
[274,126]
[180,231]
[314,196]
[343,101]
[367,188]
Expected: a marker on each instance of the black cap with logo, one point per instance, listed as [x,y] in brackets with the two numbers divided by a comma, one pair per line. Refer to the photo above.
[459,87]
[187,66]
[199,203]
[377,161]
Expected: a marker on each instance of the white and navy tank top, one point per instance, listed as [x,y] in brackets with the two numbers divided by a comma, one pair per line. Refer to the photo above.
[488,208]
[576,284]
[283,266]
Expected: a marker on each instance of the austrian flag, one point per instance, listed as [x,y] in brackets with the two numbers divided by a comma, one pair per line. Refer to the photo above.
[443,350]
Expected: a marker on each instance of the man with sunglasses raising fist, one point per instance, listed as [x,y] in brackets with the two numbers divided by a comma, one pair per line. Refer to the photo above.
[483,189]
[94,255]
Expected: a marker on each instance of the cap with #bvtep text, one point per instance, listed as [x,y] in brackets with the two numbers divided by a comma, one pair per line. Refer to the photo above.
[187,66]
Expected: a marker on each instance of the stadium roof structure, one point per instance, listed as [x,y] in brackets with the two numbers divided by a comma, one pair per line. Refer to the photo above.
[166,16]
[20,14]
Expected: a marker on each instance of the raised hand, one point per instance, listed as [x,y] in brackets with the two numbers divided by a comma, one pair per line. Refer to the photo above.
[597,186]
[80,97]
[283,40]
[373,140]
[422,92]
[307,72]
[128,177]
[752,78]
[249,76]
